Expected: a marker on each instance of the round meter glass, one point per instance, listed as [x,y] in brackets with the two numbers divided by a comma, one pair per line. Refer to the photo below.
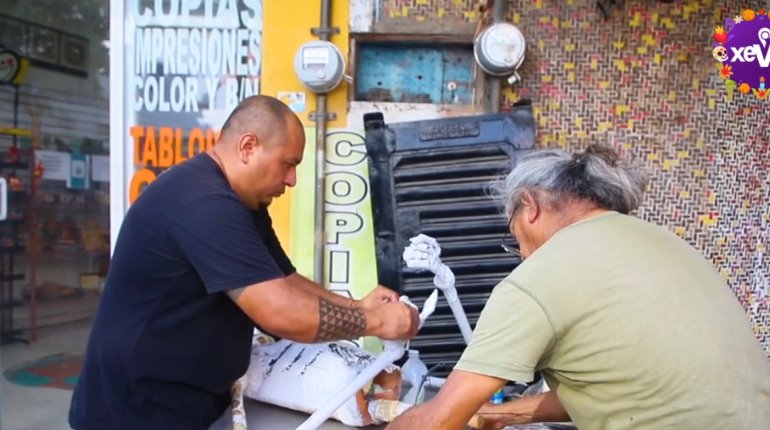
[500,48]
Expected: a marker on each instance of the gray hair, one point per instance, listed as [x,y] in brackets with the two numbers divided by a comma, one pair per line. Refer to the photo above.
[598,175]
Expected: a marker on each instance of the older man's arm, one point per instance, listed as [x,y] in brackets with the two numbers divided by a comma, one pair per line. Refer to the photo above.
[461,396]
[531,409]
[466,394]
[512,337]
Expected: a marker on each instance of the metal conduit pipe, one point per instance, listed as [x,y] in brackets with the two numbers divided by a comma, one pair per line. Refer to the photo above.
[321,117]
[320,189]
[494,82]
[498,10]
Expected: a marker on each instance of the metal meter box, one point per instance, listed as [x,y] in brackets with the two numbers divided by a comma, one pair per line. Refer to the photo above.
[319,66]
[499,49]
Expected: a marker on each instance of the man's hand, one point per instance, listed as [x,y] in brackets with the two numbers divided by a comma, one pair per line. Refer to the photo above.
[378,297]
[399,321]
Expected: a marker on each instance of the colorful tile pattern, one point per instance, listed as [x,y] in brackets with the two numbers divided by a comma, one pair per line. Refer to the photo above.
[645,81]
[53,371]
[422,10]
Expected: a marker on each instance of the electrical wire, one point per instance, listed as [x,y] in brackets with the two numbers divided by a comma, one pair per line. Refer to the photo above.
[424,378]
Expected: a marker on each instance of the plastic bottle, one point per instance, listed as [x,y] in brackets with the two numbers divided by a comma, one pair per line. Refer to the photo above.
[498,397]
[414,371]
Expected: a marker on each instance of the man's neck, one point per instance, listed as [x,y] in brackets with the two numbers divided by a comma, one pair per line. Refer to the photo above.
[571,214]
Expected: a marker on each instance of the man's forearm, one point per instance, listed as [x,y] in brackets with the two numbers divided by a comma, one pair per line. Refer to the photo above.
[339,317]
[530,409]
[321,320]
[311,287]
[336,322]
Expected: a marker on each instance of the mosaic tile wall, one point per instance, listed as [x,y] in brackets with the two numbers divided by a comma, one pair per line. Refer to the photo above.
[645,81]
[422,10]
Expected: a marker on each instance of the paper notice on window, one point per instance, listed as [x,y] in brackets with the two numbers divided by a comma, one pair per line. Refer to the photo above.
[78,172]
[56,165]
[100,168]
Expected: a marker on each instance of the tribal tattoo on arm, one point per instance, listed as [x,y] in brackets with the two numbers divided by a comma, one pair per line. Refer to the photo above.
[338,322]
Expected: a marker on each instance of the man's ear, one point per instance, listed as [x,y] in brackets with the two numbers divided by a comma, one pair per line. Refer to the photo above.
[531,206]
[247,144]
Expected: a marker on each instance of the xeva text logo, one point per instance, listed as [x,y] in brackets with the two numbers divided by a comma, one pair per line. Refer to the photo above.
[742,48]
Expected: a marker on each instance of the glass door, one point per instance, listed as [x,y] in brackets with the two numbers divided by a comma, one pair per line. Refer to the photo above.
[54,200]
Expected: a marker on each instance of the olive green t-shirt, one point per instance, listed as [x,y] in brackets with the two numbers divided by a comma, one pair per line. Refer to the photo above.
[632,328]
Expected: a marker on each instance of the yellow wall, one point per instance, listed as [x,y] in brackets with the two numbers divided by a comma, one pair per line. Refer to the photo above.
[286,27]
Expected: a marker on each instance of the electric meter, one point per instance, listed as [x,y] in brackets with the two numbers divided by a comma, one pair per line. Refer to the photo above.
[499,49]
[319,66]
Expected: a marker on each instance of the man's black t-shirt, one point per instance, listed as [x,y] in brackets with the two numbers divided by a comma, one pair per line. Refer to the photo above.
[167,342]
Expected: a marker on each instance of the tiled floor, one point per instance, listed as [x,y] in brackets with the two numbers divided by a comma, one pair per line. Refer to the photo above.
[27,408]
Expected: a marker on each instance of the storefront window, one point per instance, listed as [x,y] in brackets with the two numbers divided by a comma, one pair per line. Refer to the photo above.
[54,165]
[146,82]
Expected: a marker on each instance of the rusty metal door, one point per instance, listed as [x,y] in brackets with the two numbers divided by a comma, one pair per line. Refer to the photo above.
[433,177]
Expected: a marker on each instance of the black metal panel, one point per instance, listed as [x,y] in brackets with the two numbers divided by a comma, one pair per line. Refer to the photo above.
[432,177]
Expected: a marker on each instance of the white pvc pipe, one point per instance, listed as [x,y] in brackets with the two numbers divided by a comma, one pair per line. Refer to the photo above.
[459,313]
[393,351]
[462,319]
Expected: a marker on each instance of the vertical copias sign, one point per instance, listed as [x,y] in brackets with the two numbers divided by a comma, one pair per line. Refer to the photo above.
[742,49]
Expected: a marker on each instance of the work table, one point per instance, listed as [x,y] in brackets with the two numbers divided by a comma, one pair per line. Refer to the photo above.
[261,416]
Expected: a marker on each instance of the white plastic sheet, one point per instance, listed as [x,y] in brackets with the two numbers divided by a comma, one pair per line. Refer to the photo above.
[304,377]
[333,380]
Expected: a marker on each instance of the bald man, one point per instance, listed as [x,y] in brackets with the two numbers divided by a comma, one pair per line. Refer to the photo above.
[196,266]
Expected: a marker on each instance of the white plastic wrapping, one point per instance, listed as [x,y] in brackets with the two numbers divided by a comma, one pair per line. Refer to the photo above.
[334,380]
[304,377]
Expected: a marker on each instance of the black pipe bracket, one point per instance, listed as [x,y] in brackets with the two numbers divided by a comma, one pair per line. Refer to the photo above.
[320,31]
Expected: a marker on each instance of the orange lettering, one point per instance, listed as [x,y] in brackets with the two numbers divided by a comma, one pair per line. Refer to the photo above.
[195,142]
[139,181]
[166,147]
[137,132]
[178,136]
[150,154]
